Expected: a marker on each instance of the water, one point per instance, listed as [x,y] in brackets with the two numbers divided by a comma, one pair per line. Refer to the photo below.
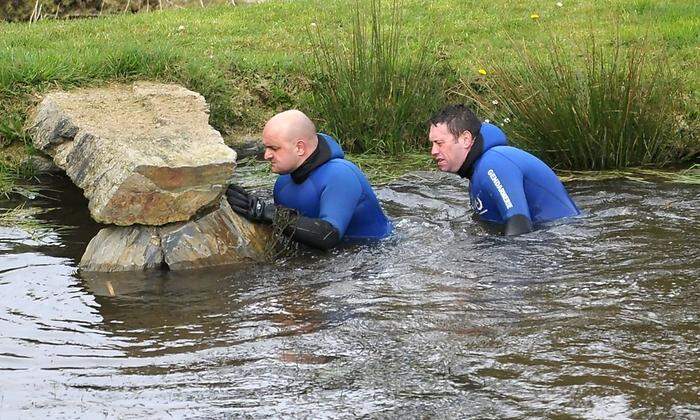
[595,317]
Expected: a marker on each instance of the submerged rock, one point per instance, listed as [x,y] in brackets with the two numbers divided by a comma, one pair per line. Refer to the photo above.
[143,154]
[220,237]
[125,248]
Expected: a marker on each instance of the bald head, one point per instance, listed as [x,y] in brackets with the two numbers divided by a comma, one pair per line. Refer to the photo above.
[291,126]
[289,138]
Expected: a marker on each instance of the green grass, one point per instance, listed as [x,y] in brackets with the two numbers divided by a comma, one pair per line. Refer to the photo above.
[250,62]
[19,217]
[594,107]
[9,186]
[25,218]
[689,175]
[373,92]
[382,169]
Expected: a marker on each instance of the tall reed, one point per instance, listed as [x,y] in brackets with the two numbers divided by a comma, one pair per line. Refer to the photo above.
[372,92]
[607,107]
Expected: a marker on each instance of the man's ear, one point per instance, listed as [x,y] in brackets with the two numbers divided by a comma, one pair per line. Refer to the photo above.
[301,147]
[466,139]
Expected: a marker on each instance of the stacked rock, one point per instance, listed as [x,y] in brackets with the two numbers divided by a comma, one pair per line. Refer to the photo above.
[150,164]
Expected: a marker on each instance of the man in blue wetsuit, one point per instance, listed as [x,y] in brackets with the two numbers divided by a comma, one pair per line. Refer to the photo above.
[508,186]
[330,195]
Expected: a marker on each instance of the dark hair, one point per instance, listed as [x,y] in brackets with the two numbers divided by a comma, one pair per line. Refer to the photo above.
[458,119]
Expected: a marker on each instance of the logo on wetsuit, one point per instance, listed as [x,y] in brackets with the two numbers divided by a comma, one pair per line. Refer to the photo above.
[501,190]
[479,206]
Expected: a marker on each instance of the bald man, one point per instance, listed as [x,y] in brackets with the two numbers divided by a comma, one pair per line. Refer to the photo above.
[330,194]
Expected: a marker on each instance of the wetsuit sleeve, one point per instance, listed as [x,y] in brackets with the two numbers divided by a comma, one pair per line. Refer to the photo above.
[504,182]
[340,197]
[518,225]
[315,233]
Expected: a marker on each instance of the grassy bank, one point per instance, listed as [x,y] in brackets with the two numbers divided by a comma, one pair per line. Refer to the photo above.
[250,62]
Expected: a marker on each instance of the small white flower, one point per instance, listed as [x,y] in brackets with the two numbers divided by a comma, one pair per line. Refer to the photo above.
[506,120]
[495,102]
[313,24]
[487,121]
[559,4]
[181,28]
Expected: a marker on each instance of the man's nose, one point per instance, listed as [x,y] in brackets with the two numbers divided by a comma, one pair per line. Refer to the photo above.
[434,150]
[267,155]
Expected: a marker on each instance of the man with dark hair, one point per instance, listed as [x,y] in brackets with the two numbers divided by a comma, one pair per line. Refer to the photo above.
[329,195]
[508,186]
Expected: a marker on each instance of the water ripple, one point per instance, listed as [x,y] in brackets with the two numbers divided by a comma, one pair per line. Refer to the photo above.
[594,317]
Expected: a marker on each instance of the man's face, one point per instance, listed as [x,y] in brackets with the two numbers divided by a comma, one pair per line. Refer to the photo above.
[282,154]
[448,151]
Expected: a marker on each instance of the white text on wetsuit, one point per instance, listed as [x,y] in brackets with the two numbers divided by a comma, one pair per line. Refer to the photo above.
[501,190]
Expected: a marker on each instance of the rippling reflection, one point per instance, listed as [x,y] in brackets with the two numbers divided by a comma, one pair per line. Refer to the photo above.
[595,316]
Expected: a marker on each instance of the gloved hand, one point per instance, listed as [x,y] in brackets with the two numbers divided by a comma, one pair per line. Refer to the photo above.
[249,206]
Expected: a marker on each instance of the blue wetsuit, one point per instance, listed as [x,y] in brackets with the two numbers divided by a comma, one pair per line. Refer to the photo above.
[506,182]
[334,190]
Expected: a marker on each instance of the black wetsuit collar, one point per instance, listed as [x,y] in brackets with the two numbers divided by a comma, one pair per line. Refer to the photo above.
[321,155]
[467,168]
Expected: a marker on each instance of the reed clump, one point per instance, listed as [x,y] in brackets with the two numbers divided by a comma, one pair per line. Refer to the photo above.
[606,107]
[373,93]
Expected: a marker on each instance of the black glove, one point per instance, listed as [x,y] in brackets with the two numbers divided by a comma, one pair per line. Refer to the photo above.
[249,206]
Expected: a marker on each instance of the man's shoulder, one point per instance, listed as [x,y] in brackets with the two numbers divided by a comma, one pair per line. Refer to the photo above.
[283,179]
[337,168]
[496,157]
[504,151]
[340,174]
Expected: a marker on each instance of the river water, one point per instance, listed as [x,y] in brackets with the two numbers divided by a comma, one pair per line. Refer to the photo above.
[594,317]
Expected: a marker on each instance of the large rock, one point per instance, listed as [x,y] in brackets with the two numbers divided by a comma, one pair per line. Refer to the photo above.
[127,248]
[220,237]
[143,154]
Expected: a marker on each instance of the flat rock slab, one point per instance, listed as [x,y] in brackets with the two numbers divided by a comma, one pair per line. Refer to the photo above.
[220,237]
[143,153]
